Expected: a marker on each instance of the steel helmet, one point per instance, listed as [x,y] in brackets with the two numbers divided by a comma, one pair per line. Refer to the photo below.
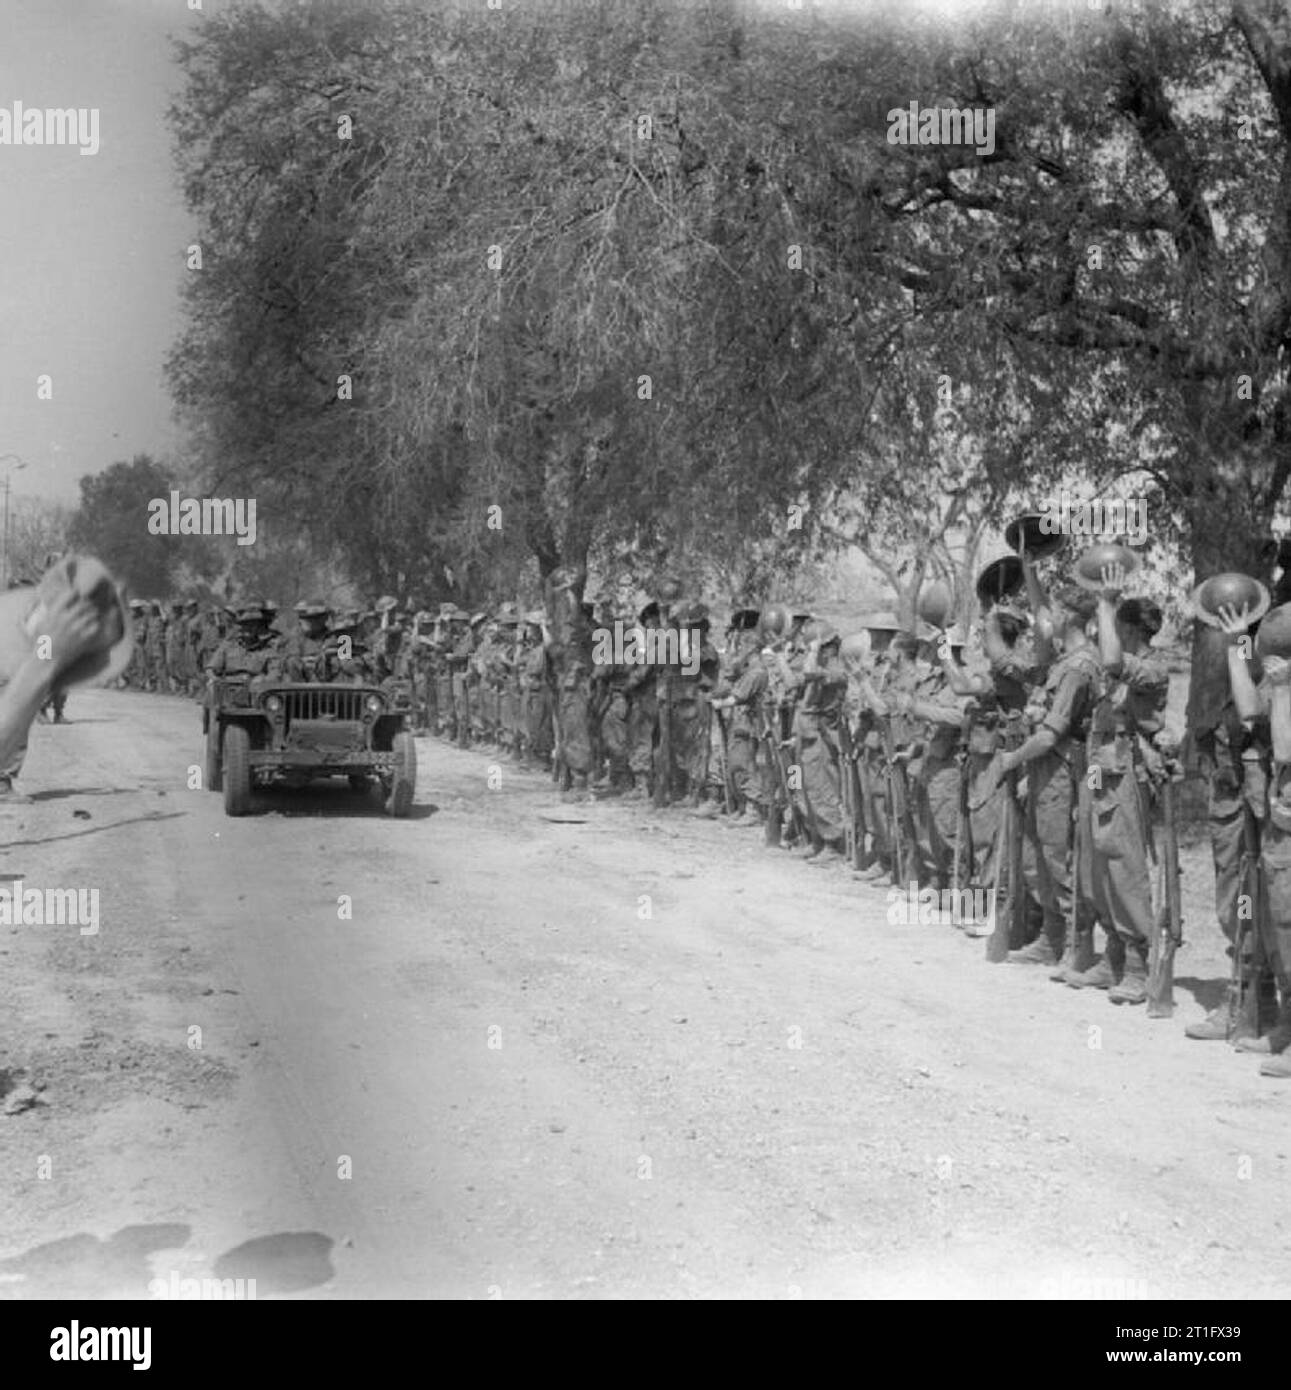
[775,620]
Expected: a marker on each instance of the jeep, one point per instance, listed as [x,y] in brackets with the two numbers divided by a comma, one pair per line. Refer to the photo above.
[265,732]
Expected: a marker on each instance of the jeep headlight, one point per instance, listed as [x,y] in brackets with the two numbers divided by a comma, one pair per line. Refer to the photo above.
[374,704]
[273,703]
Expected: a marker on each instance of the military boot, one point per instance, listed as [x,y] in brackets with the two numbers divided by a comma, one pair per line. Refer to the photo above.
[1105,973]
[1039,952]
[831,854]
[1133,986]
[1217,1026]
[1099,976]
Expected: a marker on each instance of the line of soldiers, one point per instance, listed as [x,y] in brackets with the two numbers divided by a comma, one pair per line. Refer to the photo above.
[1034,764]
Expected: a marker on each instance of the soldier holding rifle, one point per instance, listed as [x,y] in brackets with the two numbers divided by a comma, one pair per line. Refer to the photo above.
[1263,944]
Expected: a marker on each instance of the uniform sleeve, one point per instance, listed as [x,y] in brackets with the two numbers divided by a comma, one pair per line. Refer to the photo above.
[1146,675]
[1070,699]
[751,684]
[944,699]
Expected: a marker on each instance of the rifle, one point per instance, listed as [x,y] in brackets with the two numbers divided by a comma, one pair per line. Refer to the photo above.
[1078,952]
[663,766]
[1244,996]
[783,797]
[723,760]
[1168,936]
[963,826]
[1009,927]
[869,807]
[853,804]
[898,809]
[598,701]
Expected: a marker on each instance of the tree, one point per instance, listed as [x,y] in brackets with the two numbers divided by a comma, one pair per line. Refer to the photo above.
[112,524]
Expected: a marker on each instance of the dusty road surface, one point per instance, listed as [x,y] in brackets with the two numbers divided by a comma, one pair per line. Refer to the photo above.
[571,1051]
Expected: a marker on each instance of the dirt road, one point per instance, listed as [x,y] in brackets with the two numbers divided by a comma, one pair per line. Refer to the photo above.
[616,1054]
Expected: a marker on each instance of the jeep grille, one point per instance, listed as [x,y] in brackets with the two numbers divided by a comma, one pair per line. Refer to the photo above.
[324,704]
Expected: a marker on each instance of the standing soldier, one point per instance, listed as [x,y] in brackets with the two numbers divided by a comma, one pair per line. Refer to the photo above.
[691,721]
[445,697]
[609,696]
[192,647]
[157,679]
[935,781]
[136,672]
[822,690]
[741,691]
[476,715]
[569,645]
[1124,767]
[460,646]
[536,687]
[176,649]
[870,722]
[1054,758]
[503,674]
[212,636]
[901,731]
[1230,754]
[424,673]
[640,687]
[1265,712]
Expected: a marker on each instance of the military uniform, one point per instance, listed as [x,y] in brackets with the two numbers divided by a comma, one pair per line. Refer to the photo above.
[250,651]
[1117,798]
[690,717]
[745,686]
[346,658]
[1055,781]
[935,780]
[535,684]
[156,649]
[304,650]
[823,690]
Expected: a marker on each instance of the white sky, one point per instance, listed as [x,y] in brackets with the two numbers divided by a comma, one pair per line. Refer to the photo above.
[91,247]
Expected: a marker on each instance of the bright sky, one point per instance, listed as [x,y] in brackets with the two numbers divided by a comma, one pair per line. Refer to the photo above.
[91,246]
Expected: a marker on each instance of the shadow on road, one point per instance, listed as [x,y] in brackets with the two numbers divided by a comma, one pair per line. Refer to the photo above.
[83,1266]
[59,793]
[86,1267]
[1208,993]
